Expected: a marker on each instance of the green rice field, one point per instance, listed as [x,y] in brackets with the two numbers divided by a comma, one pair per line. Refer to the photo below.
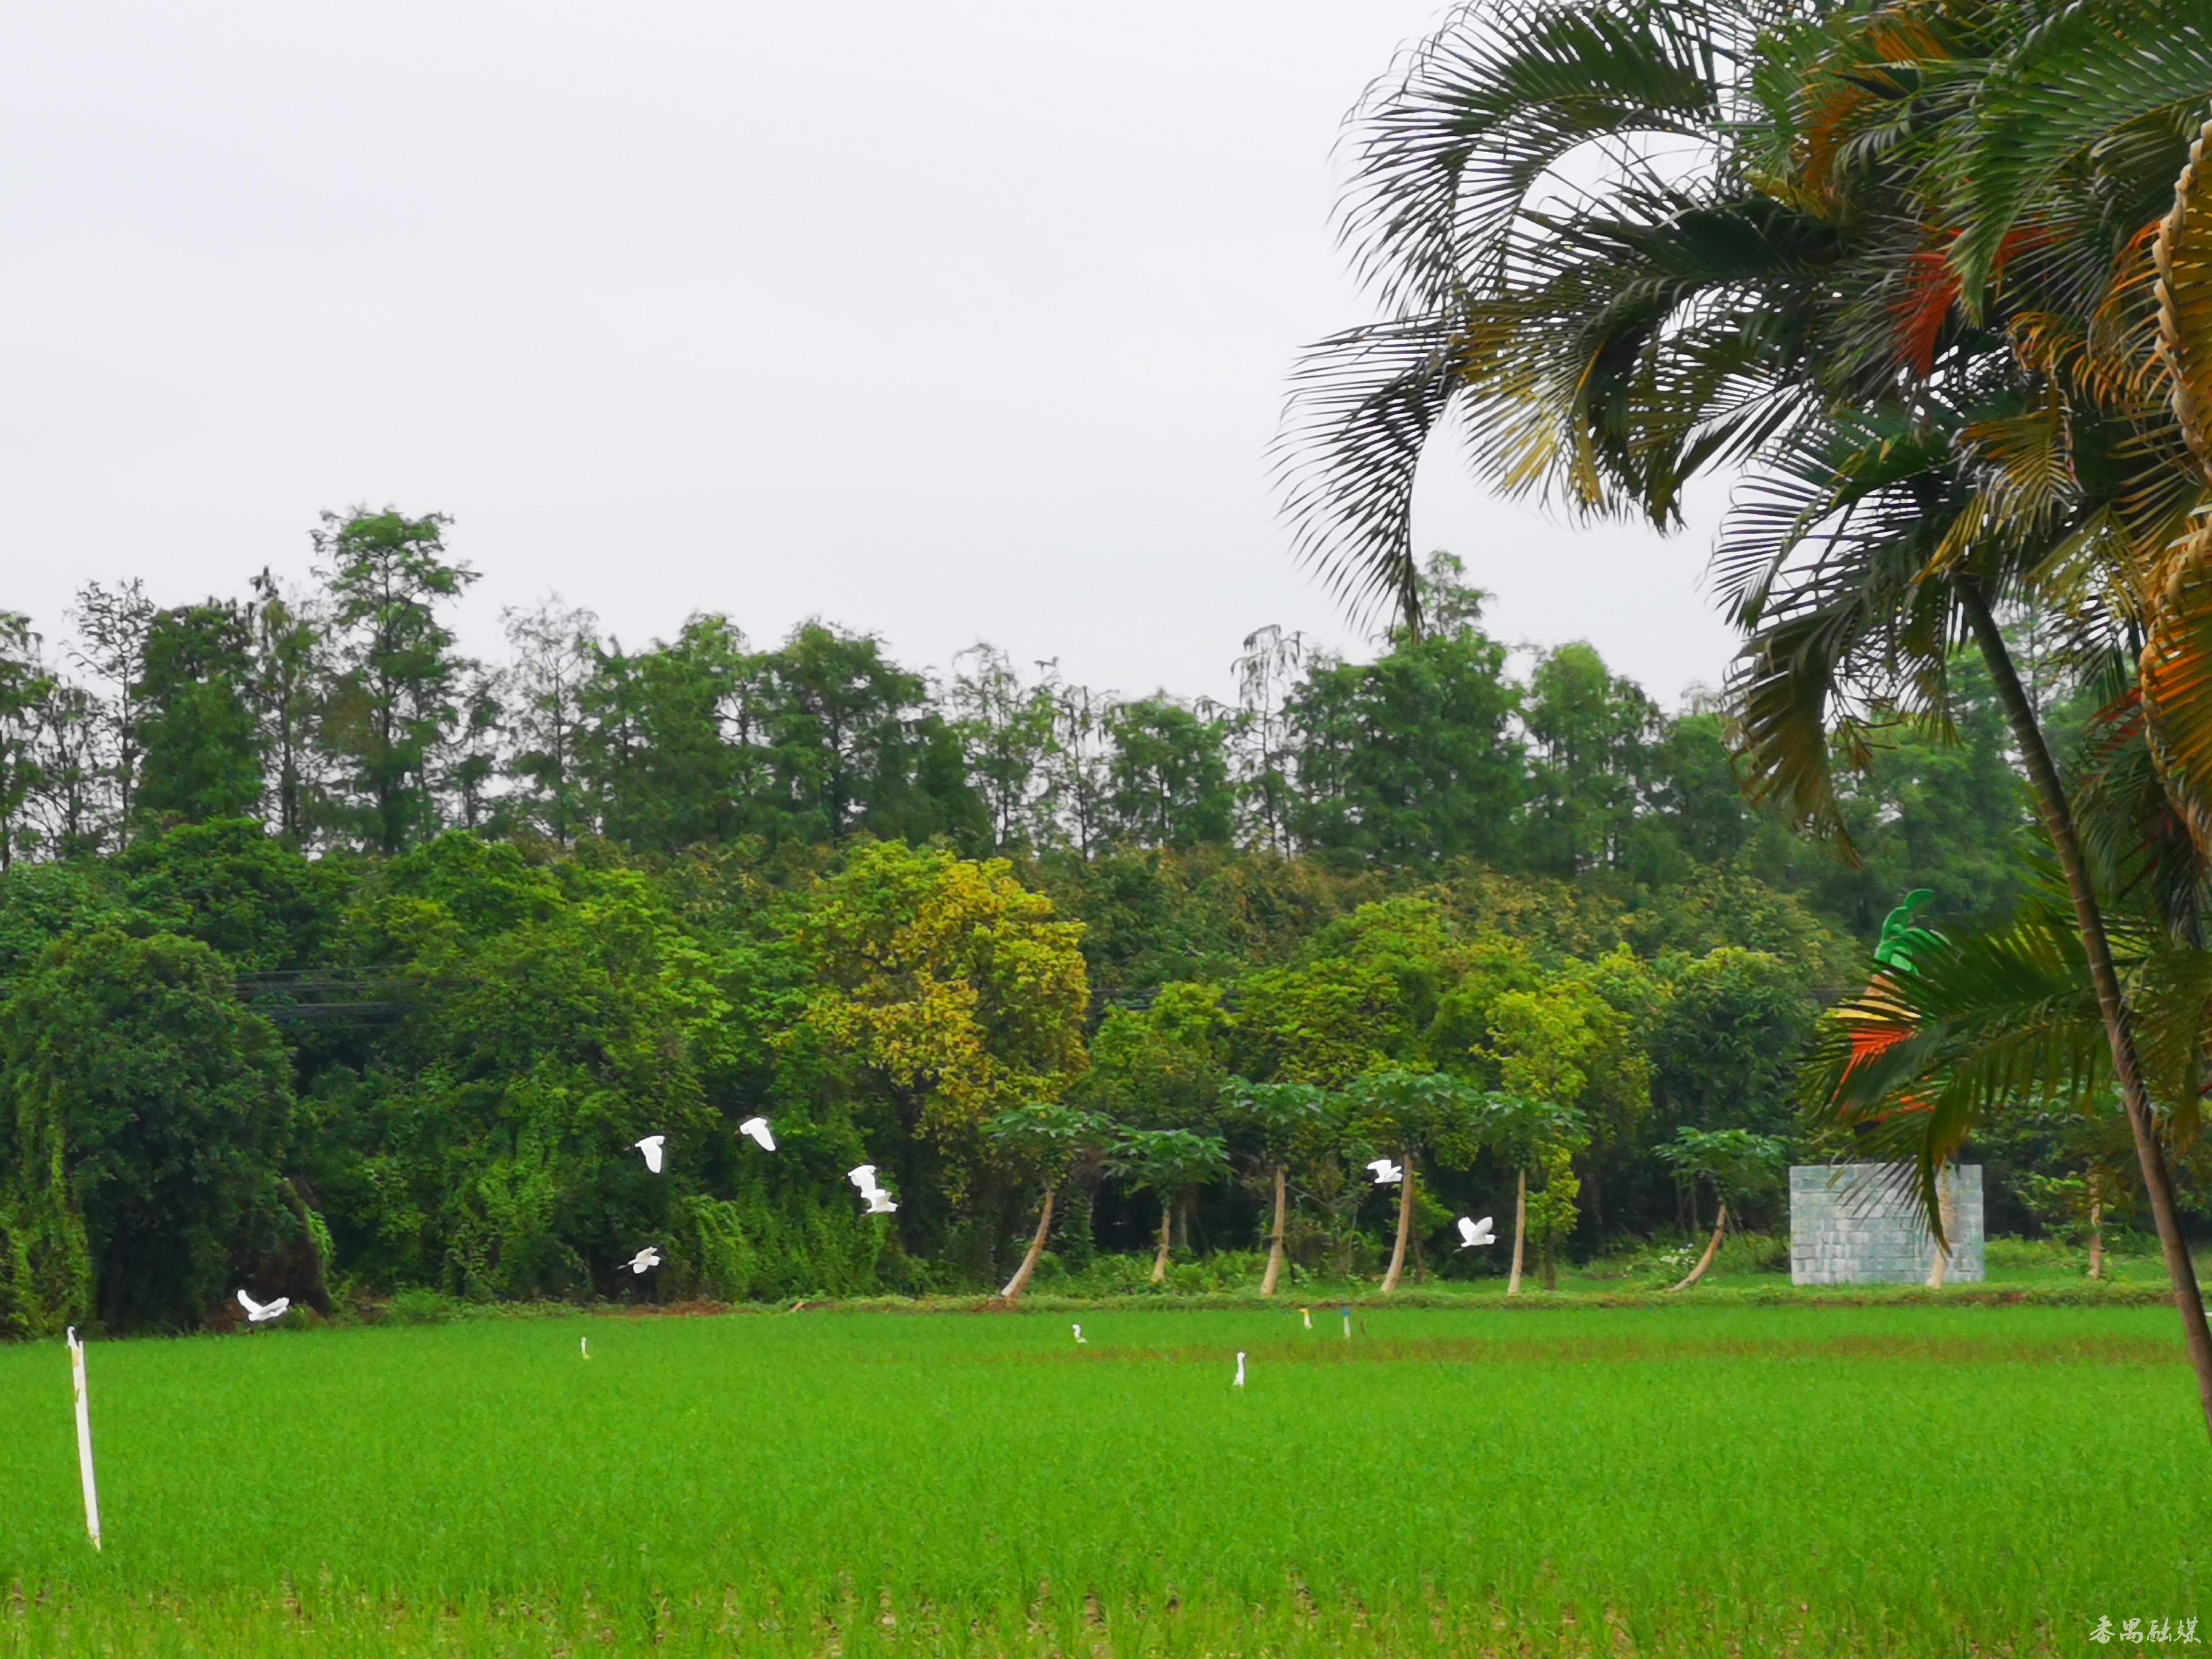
[1914,1480]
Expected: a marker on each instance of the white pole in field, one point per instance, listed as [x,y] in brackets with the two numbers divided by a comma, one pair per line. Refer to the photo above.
[84,1438]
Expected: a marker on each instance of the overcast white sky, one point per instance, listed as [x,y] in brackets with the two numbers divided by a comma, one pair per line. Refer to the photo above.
[944,319]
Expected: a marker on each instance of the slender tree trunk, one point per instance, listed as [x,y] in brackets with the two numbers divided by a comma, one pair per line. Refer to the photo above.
[1167,1220]
[1712,1249]
[1520,1229]
[2096,1227]
[2111,1001]
[1940,1269]
[1405,1227]
[1275,1244]
[1020,1281]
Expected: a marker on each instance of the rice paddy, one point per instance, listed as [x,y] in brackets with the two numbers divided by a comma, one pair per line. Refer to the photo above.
[1918,1480]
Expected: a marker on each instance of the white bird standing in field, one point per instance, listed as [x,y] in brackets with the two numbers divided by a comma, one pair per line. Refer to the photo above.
[646,1258]
[1306,1314]
[1386,1173]
[585,1343]
[1471,1233]
[1080,1337]
[1240,1371]
[258,1313]
[758,1129]
[651,1146]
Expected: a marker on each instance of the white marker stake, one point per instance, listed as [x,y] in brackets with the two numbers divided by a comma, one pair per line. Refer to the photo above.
[84,1438]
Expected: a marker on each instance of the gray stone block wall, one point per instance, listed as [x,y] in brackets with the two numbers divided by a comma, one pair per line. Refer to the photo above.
[1849,1224]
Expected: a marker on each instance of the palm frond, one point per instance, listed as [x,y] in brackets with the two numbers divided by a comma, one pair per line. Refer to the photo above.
[2083,77]
[1450,146]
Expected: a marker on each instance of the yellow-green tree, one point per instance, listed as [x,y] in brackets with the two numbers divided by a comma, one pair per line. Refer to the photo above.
[1569,1052]
[944,990]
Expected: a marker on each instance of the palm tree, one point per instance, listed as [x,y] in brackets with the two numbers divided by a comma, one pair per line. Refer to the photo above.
[1900,264]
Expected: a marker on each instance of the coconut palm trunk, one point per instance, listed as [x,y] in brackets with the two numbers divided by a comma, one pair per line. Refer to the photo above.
[2096,1227]
[1275,1244]
[2111,1001]
[1520,1229]
[1940,1269]
[1020,1281]
[1712,1249]
[1167,1220]
[1405,1227]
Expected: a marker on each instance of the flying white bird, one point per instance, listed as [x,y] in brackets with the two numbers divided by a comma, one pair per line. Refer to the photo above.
[647,1257]
[651,1146]
[1240,1371]
[863,1176]
[1471,1233]
[1386,1173]
[260,1314]
[1080,1337]
[758,1129]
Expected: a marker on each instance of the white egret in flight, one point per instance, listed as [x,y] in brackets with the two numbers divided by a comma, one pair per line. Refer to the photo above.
[1471,1233]
[1386,1173]
[646,1258]
[651,1146]
[758,1129]
[260,1314]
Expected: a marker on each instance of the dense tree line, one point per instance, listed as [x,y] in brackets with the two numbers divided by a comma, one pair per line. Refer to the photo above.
[336,960]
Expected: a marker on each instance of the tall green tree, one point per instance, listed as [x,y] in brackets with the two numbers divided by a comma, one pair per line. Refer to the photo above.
[1168,780]
[289,668]
[396,697]
[152,1115]
[851,743]
[1410,759]
[200,741]
[670,744]
[1007,731]
[23,687]
[113,625]
[1590,734]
